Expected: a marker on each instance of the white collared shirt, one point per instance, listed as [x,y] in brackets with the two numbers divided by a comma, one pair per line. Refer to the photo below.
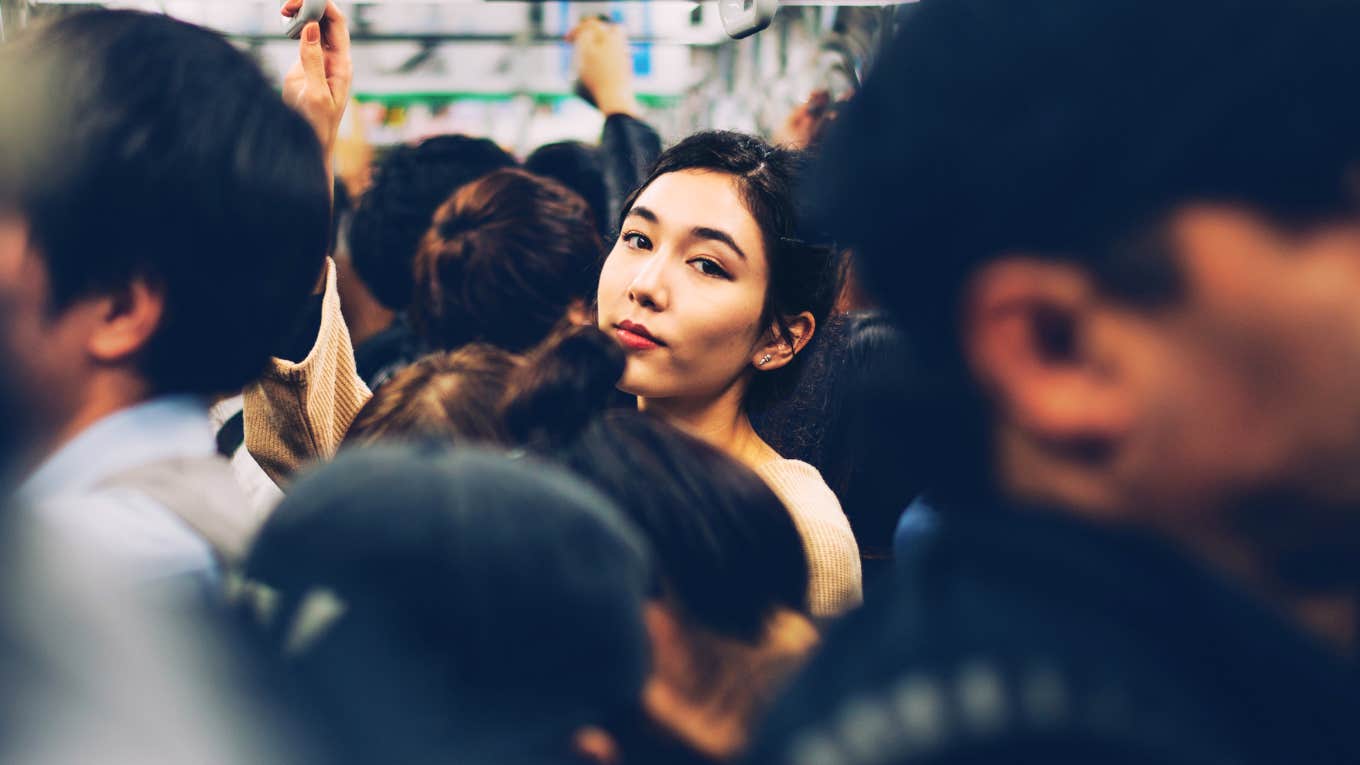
[65,491]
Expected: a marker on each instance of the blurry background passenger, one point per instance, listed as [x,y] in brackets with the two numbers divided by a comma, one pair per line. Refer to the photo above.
[731,623]
[507,258]
[580,168]
[713,292]
[409,184]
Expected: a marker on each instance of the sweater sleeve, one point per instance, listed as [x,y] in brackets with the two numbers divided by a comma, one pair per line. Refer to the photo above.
[835,579]
[297,412]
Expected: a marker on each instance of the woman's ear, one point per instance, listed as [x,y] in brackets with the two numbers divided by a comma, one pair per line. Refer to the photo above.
[777,351]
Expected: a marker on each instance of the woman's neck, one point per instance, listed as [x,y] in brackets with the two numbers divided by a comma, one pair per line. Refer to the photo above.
[721,422]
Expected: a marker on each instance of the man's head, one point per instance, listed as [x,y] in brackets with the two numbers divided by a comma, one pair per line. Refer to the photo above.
[408,187]
[163,214]
[1123,238]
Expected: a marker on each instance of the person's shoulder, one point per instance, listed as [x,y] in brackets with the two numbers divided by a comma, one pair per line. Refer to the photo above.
[796,481]
[128,529]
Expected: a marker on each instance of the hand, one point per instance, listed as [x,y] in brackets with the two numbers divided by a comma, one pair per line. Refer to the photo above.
[605,65]
[318,85]
[805,123]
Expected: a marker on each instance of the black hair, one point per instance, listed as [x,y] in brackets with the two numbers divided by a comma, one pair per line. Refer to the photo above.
[140,147]
[727,549]
[803,272]
[487,606]
[866,448]
[503,261]
[409,184]
[578,167]
[1072,129]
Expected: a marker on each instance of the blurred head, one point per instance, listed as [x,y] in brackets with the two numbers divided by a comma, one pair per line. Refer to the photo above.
[507,259]
[1133,284]
[451,397]
[161,223]
[409,184]
[455,607]
[578,167]
[729,626]
[711,272]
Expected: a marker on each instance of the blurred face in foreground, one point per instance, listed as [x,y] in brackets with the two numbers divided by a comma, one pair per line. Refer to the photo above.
[1227,414]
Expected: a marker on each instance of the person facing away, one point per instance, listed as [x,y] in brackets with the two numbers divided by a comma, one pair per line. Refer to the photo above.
[454,397]
[712,291]
[149,267]
[1132,287]
[460,606]
[409,185]
[730,623]
[505,260]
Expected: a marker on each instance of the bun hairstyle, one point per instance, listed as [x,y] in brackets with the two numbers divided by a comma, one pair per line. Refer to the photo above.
[730,556]
[503,261]
[563,385]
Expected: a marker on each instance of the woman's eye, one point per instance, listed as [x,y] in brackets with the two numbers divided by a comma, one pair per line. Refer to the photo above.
[709,268]
[637,241]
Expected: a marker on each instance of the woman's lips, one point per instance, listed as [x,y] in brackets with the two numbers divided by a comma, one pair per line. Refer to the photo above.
[634,341]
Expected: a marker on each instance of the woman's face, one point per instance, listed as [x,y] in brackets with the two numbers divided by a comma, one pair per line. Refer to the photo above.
[684,287]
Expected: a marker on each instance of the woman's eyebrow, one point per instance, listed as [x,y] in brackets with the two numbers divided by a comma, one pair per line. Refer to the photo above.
[644,213]
[717,235]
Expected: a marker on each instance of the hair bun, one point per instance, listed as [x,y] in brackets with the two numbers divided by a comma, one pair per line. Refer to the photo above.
[566,382]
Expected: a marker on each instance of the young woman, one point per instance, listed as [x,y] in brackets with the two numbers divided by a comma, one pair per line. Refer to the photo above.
[713,295]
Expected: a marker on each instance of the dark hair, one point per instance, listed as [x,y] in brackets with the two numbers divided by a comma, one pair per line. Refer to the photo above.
[847,417]
[503,261]
[140,147]
[1045,127]
[578,167]
[727,549]
[409,184]
[481,605]
[803,274]
[451,397]
[866,448]
[342,207]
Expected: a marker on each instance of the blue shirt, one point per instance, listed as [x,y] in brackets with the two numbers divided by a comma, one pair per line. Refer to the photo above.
[65,492]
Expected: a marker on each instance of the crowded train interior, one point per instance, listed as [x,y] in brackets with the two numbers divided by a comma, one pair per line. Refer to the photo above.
[423,381]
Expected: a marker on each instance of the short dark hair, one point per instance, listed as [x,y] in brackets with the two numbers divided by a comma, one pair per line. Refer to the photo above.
[579,168]
[409,185]
[727,549]
[1071,129]
[503,261]
[136,146]
[452,397]
[803,272]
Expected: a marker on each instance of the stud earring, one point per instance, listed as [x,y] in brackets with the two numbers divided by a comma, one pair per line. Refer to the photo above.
[765,359]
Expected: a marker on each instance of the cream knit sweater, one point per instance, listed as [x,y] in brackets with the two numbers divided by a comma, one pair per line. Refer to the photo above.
[296,413]
[835,581]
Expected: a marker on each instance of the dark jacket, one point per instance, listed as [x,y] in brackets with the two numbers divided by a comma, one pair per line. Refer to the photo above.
[1035,638]
[628,149]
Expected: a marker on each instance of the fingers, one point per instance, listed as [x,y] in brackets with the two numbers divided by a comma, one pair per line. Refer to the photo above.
[336,27]
[589,26]
[312,56]
[291,8]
